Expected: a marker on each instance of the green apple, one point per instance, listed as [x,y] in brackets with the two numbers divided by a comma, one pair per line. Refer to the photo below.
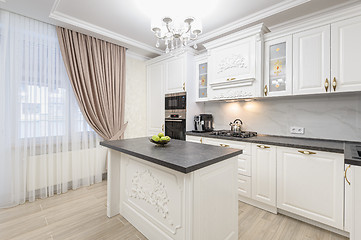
[167,138]
[163,139]
[155,138]
[160,134]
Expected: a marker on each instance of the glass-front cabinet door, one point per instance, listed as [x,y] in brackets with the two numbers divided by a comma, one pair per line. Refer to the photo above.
[278,67]
[202,79]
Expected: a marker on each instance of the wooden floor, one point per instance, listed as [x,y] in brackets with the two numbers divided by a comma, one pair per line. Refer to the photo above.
[81,214]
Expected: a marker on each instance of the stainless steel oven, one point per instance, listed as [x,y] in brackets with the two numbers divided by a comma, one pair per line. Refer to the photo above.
[176,101]
[175,124]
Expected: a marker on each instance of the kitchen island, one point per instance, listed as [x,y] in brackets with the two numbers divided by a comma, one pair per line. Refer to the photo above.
[180,191]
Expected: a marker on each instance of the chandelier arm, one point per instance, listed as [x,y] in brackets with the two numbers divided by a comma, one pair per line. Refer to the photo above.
[189,28]
[167,25]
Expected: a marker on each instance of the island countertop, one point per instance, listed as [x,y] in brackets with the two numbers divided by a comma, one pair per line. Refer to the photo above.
[178,155]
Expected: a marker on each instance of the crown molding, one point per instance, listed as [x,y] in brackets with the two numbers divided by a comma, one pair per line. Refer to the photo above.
[176,53]
[137,56]
[326,16]
[4,1]
[257,16]
[251,31]
[54,14]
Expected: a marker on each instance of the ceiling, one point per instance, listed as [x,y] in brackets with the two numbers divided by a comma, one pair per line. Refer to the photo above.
[124,23]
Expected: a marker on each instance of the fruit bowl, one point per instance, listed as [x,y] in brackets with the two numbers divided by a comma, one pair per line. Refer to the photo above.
[159,143]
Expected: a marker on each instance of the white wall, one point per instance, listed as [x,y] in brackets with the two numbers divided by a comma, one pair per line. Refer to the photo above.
[135,98]
[327,116]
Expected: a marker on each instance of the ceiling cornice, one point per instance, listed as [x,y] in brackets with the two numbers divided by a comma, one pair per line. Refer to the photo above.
[257,16]
[54,14]
[326,16]
[137,56]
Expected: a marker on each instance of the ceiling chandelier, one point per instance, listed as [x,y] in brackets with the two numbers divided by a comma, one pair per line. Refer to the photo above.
[176,32]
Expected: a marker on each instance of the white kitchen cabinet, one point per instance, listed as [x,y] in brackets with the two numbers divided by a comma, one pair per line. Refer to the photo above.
[244,159]
[353,201]
[345,55]
[311,61]
[311,184]
[155,98]
[264,173]
[278,67]
[244,186]
[201,79]
[233,62]
[349,195]
[175,74]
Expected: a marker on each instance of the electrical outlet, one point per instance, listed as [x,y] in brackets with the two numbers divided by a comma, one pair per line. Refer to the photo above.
[297,130]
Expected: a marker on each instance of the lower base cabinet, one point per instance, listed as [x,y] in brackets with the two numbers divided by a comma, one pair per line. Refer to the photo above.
[264,160]
[311,184]
[307,183]
[353,201]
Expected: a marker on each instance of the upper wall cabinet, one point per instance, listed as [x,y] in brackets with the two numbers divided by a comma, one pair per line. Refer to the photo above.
[201,78]
[278,67]
[346,55]
[233,62]
[311,61]
[327,59]
[175,75]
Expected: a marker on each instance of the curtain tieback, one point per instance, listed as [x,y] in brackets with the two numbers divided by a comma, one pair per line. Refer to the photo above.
[120,133]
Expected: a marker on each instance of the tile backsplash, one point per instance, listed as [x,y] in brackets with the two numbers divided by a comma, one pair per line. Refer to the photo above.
[326,116]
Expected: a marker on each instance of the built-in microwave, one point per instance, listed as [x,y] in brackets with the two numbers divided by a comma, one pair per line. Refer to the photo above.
[175,101]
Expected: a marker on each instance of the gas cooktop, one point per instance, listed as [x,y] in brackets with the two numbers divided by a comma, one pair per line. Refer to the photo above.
[228,133]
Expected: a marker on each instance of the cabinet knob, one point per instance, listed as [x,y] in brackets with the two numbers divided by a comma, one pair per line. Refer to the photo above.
[334,84]
[346,175]
[162,127]
[201,140]
[326,84]
[265,90]
[184,86]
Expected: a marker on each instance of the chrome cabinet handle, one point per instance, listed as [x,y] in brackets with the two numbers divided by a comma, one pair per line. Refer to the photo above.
[306,152]
[326,84]
[334,84]
[263,146]
[349,166]
[223,145]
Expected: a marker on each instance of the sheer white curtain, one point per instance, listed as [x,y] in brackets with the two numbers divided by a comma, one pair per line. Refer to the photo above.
[46,146]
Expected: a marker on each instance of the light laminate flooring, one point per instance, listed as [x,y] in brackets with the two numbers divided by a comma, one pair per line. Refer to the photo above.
[81,214]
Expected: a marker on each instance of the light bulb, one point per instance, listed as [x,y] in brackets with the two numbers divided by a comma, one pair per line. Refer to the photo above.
[157,44]
[167,49]
[195,46]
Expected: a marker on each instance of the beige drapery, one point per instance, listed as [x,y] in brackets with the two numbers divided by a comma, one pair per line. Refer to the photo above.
[96,69]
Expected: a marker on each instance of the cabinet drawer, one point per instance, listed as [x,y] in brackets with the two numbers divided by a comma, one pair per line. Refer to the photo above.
[244,186]
[244,165]
[246,147]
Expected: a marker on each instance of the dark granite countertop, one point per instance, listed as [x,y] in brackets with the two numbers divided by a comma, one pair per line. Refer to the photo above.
[351,155]
[178,155]
[335,146]
[294,142]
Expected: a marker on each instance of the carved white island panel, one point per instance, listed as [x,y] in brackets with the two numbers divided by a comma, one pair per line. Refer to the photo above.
[166,204]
